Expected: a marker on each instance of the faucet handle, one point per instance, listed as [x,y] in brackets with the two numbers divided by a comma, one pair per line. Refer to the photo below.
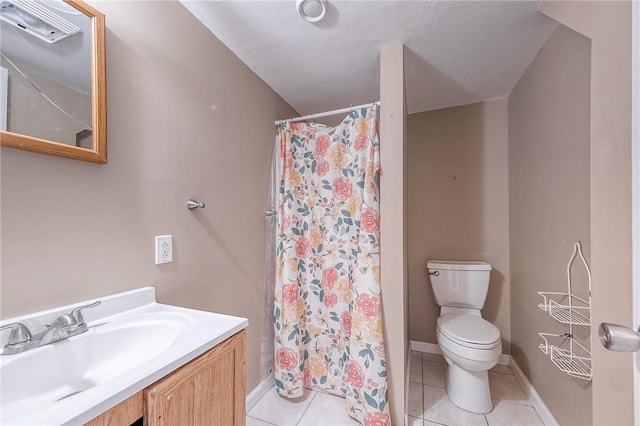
[19,333]
[77,312]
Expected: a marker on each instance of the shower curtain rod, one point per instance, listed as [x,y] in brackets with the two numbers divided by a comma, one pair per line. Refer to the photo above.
[328,113]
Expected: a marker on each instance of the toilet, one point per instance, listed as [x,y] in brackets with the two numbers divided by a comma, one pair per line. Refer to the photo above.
[470,344]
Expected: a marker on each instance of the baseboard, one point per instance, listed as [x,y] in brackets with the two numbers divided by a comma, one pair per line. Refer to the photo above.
[432,348]
[504,359]
[259,391]
[536,401]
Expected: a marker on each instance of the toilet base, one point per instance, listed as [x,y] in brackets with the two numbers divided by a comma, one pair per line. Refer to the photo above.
[468,390]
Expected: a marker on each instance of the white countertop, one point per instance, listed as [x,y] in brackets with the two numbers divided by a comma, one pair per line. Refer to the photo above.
[204,331]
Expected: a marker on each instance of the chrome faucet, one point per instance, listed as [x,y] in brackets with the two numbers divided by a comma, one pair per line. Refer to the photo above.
[63,327]
[20,339]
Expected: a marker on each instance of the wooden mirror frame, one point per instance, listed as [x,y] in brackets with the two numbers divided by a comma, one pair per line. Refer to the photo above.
[98,154]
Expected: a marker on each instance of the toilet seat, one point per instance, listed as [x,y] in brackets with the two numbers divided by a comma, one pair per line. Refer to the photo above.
[470,331]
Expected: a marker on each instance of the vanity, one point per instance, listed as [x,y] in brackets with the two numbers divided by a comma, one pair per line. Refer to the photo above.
[137,359]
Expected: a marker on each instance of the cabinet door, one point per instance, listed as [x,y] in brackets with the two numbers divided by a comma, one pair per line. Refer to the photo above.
[125,413]
[209,390]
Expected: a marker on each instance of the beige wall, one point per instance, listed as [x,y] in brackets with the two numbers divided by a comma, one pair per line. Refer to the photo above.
[608,25]
[185,119]
[393,266]
[458,205]
[549,196]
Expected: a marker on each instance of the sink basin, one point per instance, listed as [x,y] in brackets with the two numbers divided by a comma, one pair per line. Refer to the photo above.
[48,374]
[74,380]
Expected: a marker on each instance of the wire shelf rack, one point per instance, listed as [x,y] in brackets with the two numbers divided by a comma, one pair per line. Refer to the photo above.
[567,355]
[566,308]
[564,351]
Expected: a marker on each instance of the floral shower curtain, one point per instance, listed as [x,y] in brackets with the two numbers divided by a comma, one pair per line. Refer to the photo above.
[327,312]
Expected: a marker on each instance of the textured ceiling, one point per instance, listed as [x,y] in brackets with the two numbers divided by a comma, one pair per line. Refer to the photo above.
[458,52]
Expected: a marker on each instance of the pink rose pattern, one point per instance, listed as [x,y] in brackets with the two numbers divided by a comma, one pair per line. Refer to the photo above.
[368,305]
[289,293]
[313,326]
[342,188]
[329,278]
[345,323]
[323,167]
[354,374]
[286,359]
[369,220]
[377,419]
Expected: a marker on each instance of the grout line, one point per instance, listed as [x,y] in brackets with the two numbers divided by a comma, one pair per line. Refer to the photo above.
[421,417]
[423,411]
[308,405]
[262,420]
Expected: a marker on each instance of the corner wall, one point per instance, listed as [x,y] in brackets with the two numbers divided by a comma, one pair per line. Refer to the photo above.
[608,25]
[186,118]
[393,267]
[549,199]
[458,206]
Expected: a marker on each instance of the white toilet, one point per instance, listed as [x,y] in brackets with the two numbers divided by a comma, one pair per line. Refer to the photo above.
[470,345]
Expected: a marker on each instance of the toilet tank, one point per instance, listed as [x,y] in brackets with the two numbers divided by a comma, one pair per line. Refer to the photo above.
[462,284]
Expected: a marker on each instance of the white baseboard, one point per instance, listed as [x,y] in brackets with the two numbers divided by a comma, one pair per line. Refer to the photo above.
[504,359]
[432,348]
[259,391]
[536,401]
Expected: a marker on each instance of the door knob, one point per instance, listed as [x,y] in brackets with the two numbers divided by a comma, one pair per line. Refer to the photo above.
[619,338]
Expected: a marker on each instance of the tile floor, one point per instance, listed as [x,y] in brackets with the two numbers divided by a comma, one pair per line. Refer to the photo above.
[314,409]
[428,402]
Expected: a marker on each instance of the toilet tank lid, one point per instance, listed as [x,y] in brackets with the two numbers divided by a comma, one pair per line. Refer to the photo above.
[458,265]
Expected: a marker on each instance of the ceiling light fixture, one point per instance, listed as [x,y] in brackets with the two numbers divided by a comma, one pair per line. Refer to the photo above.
[311,10]
[36,20]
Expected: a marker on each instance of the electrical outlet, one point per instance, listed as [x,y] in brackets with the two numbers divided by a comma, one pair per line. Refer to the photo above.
[164,249]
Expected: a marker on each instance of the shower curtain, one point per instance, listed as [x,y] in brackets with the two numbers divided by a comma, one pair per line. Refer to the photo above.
[327,304]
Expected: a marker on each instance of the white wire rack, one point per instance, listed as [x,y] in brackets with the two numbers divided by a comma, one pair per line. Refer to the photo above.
[564,351]
[567,354]
[566,308]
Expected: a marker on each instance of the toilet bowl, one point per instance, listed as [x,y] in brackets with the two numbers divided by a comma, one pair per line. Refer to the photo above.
[470,344]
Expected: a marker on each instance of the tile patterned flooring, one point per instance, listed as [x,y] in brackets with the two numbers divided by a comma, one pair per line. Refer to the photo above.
[313,409]
[428,402]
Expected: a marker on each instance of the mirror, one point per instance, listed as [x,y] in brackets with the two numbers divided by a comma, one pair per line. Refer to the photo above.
[52,78]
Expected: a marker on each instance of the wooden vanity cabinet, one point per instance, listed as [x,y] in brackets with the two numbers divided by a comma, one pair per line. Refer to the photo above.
[209,390]
[125,413]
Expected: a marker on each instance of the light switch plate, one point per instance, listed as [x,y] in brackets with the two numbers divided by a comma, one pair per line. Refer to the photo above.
[164,249]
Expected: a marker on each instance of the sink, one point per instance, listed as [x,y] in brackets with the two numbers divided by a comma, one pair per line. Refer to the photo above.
[74,380]
[51,373]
